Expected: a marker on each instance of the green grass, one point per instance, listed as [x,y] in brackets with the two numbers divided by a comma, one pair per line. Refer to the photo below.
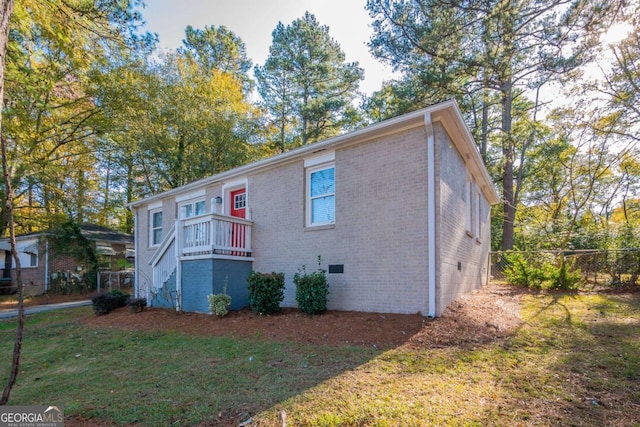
[160,378]
[574,361]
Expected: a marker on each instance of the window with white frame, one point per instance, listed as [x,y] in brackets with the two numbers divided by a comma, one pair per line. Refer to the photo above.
[477,217]
[468,199]
[155,230]
[192,208]
[321,198]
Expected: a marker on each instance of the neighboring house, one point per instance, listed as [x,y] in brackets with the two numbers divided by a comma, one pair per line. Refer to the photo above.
[40,265]
[399,213]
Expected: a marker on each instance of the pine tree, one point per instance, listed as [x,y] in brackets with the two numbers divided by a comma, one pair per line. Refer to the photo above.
[306,84]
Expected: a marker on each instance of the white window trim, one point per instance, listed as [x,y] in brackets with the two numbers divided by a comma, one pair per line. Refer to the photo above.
[25,260]
[308,209]
[478,218]
[193,207]
[468,199]
[319,160]
[244,200]
[155,205]
[230,186]
[152,212]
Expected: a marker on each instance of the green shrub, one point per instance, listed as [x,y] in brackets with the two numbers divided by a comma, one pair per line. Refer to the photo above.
[520,271]
[563,277]
[547,272]
[219,303]
[266,292]
[107,302]
[311,290]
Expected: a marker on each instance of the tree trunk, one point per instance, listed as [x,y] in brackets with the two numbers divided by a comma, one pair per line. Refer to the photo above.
[81,188]
[508,202]
[129,220]
[485,123]
[16,279]
[6,9]
[107,189]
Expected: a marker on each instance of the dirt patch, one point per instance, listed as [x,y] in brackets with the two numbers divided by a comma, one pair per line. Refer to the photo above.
[478,317]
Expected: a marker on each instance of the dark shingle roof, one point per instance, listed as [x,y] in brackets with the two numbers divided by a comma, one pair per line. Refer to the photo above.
[93,232]
[98,232]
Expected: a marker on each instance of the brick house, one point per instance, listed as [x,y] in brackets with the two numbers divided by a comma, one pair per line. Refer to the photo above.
[399,213]
[42,269]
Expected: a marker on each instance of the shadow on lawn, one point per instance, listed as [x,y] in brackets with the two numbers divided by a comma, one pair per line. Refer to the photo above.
[192,368]
[269,359]
[583,364]
[603,365]
[228,369]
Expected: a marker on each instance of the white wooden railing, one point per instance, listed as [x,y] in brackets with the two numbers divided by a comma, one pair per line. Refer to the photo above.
[214,234]
[164,261]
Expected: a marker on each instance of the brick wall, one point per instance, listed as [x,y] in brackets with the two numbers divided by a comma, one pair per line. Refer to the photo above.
[380,228]
[380,231]
[462,260]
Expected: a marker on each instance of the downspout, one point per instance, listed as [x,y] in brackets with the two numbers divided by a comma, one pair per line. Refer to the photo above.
[46,266]
[431,215]
[136,273]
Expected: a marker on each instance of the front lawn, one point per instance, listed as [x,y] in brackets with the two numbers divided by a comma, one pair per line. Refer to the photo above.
[575,360]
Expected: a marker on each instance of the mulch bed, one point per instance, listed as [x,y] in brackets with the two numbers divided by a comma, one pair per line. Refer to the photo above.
[478,317]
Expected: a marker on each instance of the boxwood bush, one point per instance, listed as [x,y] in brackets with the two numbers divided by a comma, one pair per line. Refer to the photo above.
[266,292]
[109,301]
[311,290]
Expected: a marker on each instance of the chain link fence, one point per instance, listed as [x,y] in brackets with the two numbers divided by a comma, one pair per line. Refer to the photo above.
[598,268]
[121,280]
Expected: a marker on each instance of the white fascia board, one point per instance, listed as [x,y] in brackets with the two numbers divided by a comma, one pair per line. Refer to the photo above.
[451,118]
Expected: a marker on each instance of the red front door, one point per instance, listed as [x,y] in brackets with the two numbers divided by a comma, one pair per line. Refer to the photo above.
[238,209]
[238,203]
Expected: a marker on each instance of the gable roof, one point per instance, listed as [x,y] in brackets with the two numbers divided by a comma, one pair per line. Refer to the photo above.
[447,112]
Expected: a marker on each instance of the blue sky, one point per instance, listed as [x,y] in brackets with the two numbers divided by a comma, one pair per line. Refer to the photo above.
[254,20]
